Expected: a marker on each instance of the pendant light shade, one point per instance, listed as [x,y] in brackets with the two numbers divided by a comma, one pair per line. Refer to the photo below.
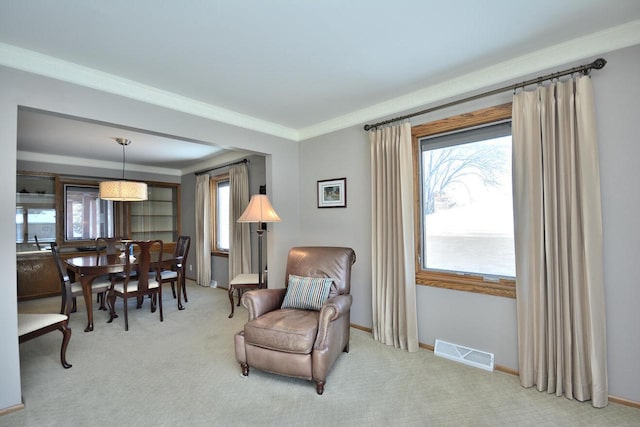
[123,190]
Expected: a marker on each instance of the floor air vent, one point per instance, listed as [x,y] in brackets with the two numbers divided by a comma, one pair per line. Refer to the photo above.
[468,356]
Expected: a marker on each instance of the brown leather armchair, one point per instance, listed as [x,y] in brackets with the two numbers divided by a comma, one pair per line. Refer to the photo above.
[295,342]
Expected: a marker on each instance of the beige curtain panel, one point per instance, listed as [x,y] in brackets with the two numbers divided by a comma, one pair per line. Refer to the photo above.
[239,241]
[558,234]
[393,272]
[203,230]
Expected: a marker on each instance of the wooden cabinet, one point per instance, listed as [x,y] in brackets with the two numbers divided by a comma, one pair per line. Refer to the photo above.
[37,275]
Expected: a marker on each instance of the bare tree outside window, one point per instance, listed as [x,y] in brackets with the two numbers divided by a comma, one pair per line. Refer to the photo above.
[467,207]
[457,166]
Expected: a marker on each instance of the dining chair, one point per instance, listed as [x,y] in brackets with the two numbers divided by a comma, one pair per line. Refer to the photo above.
[171,276]
[99,285]
[32,325]
[146,282]
[107,246]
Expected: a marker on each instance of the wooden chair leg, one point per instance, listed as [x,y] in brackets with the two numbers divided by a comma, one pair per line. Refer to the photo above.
[160,304]
[184,291]
[173,289]
[66,336]
[126,315]
[101,299]
[111,302]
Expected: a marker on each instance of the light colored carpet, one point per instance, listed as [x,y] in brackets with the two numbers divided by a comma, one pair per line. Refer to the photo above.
[183,372]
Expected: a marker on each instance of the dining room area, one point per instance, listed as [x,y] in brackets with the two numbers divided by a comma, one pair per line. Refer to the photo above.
[71,222]
[126,258]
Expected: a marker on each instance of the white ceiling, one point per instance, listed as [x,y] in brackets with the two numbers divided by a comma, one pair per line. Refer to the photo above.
[72,138]
[295,68]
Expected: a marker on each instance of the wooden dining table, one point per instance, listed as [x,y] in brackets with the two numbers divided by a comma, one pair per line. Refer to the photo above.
[87,268]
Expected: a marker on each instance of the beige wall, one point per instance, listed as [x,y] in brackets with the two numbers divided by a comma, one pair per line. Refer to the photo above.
[292,170]
[19,88]
[486,322]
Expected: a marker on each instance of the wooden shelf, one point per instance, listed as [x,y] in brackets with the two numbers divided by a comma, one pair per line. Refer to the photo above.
[157,217]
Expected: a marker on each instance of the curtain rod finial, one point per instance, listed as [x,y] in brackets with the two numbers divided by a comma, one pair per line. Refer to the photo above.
[599,63]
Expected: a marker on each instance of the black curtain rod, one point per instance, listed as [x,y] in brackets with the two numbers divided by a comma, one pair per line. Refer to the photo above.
[584,69]
[203,171]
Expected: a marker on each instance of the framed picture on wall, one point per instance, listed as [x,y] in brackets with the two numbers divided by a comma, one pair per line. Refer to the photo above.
[332,193]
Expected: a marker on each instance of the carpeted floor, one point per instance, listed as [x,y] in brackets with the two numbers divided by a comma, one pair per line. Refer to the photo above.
[183,372]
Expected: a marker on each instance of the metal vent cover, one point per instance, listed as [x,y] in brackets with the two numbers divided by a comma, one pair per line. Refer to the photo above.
[468,356]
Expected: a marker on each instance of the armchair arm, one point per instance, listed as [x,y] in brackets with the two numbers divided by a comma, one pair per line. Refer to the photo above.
[261,301]
[332,310]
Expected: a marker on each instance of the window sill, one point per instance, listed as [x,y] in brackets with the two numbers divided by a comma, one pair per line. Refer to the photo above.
[502,288]
[220,254]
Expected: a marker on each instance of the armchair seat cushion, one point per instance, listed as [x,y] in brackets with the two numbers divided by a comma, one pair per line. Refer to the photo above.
[286,330]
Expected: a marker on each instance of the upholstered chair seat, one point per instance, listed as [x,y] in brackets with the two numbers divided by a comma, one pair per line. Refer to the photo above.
[290,330]
[168,274]
[100,284]
[132,286]
[29,322]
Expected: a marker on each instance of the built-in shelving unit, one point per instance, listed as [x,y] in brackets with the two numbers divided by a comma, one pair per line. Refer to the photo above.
[157,217]
[35,211]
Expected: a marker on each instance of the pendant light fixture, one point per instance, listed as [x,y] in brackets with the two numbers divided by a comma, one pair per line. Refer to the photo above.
[123,191]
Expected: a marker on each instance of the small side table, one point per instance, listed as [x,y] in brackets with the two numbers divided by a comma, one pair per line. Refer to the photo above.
[241,282]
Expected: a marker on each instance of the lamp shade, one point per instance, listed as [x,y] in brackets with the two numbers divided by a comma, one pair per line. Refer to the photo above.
[259,210]
[123,191]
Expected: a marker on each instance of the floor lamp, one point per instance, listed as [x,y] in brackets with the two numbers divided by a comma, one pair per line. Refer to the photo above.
[259,211]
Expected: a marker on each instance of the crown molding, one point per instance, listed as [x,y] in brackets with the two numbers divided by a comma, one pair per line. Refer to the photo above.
[29,156]
[48,66]
[574,50]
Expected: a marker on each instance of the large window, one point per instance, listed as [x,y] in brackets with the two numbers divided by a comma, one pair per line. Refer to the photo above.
[86,215]
[465,212]
[220,210]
